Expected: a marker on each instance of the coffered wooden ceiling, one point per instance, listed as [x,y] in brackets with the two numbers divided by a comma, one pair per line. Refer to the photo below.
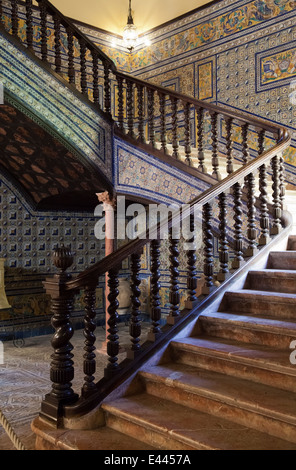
[111,15]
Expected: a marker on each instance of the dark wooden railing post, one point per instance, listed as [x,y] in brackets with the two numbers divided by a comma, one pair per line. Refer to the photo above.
[191,266]
[200,138]
[155,291]
[264,238]
[95,67]
[223,239]
[140,96]
[1,11]
[62,370]
[57,44]
[29,23]
[187,143]
[229,149]
[112,344]
[130,108]
[14,17]
[163,137]
[43,29]
[276,196]
[208,240]
[135,321]
[120,104]
[252,231]
[174,281]
[151,131]
[89,364]
[71,68]
[83,74]
[238,235]
[175,142]
[107,89]
[215,160]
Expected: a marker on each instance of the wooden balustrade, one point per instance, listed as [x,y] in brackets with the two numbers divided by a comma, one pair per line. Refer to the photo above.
[139,110]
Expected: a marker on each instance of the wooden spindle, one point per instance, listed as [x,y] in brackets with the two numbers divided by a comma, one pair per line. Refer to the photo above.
[200,139]
[1,11]
[276,196]
[89,364]
[43,29]
[187,134]
[71,68]
[120,104]
[223,238]
[83,75]
[57,44]
[95,68]
[215,160]
[229,145]
[207,216]
[107,89]
[238,235]
[155,291]
[252,230]
[62,365]
[174,280]
[282,181]
[163,132]
[191,265]
[151,130]
[140,95]
[112,338]
[14,17]
[264,238]
[130,108]
[29,23]
[245,145]
[175,143]
[135,322]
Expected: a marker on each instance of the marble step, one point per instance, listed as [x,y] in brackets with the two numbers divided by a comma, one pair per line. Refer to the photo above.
[170,426]
[274,304]
[265,331]
[102,438]
[272,280]
[260,364]
[282,260]
[257,406]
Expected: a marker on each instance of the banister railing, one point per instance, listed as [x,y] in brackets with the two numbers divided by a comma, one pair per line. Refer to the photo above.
[160,119]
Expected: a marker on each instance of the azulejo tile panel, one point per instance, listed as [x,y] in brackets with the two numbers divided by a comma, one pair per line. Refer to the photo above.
[136,170]
[53,103]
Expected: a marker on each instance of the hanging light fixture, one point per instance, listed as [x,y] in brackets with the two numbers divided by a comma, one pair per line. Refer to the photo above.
[130,33]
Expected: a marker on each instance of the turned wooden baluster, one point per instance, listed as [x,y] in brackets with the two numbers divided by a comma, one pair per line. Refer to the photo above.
[89,364]
[200,138]
[62,303]
[83,74]
[175,142]
[191,265]
[1,11]
[29,23]
[120,104]
[155,291]
[14,17]
[151,130]
[130,108]
[174,281]
[57,44]
[140,92]
[215,160]
[207,216]
[71,68]
[43,30]
[252,230]
[135,322]
[229,148]
[223,238]
[112,344]
[245,145]
[163,135]
[276,196]
[238,237]
[187,134]
[264,214]
[107,89]
[282,181]
[95,67]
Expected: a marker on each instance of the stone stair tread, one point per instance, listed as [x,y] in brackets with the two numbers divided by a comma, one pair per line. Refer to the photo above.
[242,393]
[263,322]
[101,438]
[192,428]
[259,293]
[265,357]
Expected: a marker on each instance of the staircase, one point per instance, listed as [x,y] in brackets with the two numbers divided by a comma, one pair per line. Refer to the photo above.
[230,386]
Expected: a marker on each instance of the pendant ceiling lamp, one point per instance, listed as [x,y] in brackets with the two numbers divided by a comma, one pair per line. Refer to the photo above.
[130,33]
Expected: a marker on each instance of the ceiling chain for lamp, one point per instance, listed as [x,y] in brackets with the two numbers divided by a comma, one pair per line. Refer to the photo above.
[130,33]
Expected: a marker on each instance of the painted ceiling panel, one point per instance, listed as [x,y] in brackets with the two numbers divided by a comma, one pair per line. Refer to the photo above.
[112,15]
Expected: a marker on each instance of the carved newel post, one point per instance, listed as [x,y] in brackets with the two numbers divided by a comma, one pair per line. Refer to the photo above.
[62,370]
